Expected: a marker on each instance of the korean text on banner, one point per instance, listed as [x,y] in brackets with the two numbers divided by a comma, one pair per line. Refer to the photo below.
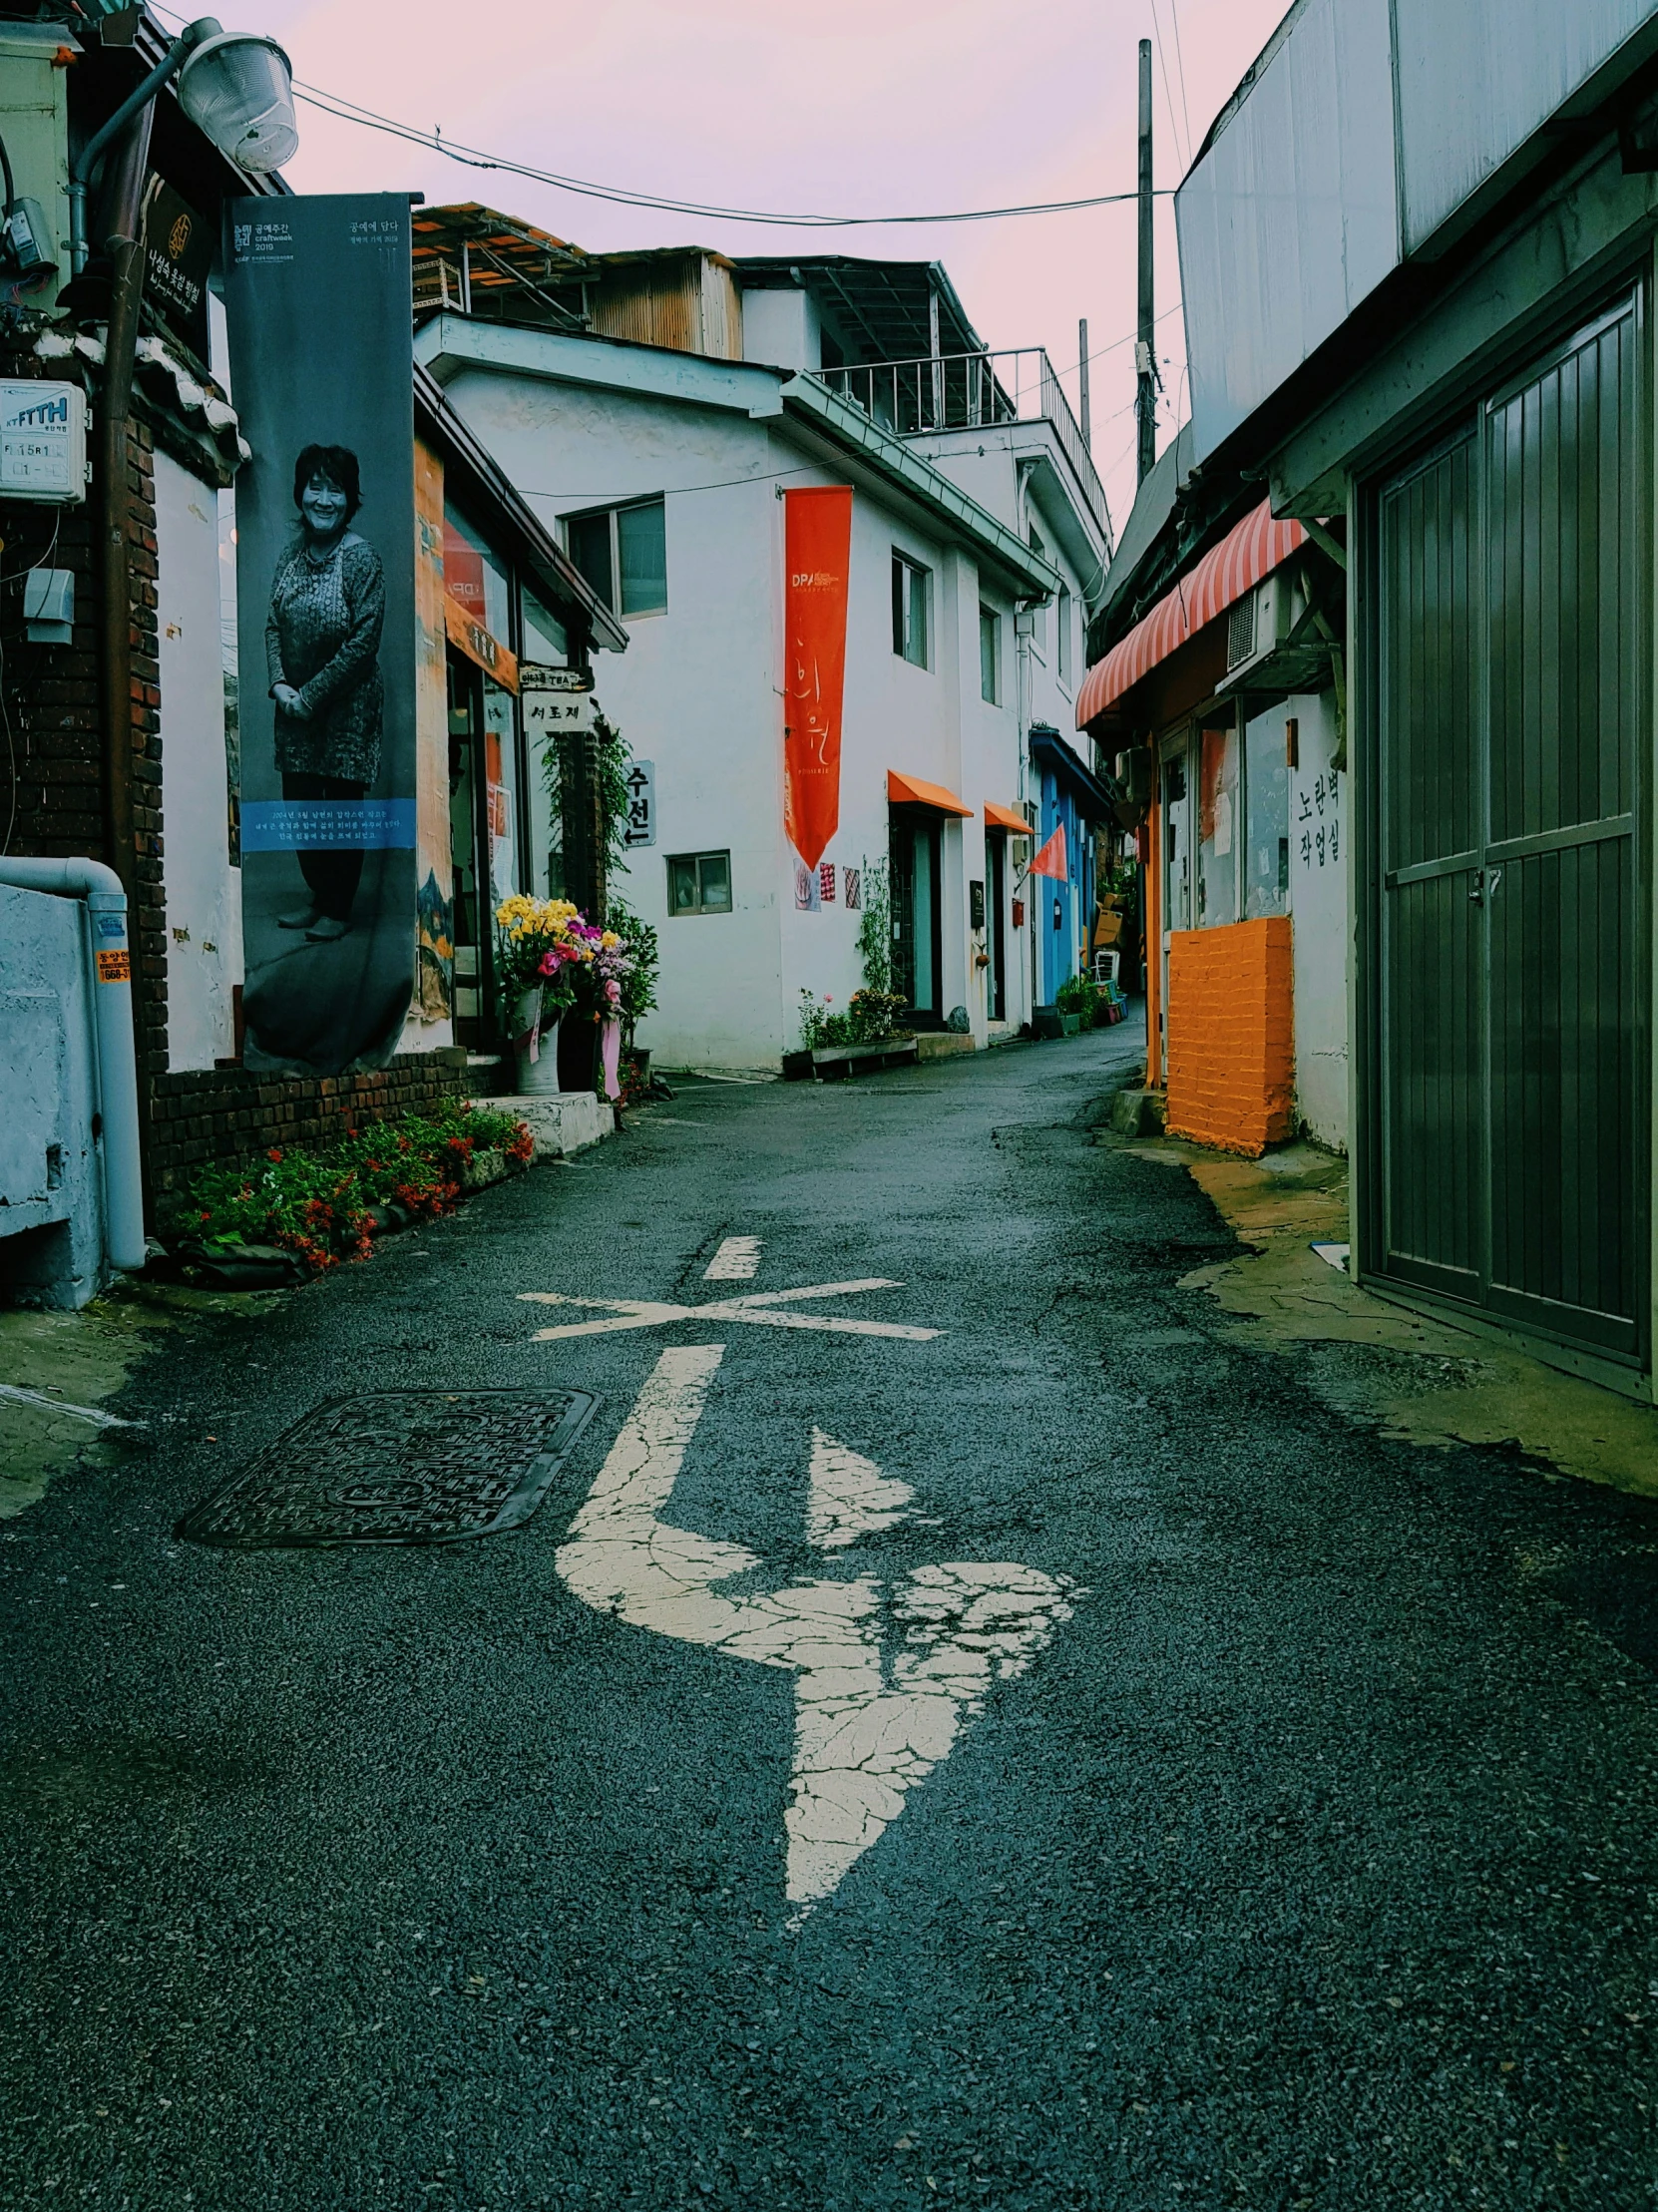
[317,296]
[817,535]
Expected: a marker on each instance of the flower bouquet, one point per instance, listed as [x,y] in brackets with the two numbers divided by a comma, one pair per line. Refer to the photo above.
[544,950]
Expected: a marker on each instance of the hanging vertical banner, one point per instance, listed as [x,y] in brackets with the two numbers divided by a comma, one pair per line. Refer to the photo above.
[316,294]
[817,546]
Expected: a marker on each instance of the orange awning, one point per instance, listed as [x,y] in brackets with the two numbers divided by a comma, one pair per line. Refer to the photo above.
[1003,817]
[1256,547]
[910,791]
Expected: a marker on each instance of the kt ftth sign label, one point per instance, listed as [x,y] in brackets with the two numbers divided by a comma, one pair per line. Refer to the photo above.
[817,537]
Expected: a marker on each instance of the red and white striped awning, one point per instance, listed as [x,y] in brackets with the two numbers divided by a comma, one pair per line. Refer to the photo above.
[1252,549]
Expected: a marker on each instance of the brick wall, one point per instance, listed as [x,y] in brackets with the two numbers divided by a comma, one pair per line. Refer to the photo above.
[1230,1026]
[224,1113]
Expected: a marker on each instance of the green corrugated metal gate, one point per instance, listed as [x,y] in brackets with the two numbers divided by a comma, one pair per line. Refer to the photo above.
[1508,1139]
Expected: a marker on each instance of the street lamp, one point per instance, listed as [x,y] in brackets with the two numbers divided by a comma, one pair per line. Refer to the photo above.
[236,88]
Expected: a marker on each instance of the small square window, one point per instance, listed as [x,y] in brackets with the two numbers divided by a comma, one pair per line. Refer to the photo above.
[911,584]
[699,883]
[989,656]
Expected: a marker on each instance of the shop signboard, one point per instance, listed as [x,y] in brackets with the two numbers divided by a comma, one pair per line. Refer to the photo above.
[178,255]
[318,306]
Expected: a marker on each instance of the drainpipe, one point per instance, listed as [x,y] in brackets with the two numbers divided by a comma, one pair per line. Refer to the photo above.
[100,889]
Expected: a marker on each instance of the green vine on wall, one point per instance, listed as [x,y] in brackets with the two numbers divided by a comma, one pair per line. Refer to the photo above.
[875,929]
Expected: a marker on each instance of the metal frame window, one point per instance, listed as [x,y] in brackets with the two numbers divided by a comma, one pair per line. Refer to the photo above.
[622,552]
[698,883]
[912,587]
[1062,625]
[989,656]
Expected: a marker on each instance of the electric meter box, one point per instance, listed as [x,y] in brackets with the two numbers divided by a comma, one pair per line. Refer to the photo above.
[42,442]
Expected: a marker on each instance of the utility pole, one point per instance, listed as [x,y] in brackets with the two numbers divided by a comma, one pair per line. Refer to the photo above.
[1082,373]
[1145,374]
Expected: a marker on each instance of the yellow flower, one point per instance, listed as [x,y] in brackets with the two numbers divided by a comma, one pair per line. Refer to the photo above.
[609,939]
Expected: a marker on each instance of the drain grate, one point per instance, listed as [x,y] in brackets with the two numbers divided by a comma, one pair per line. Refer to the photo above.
[398,1466]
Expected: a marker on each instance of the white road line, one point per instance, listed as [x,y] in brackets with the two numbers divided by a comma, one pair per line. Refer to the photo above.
[757,1309]
[849,1497]
[59,1404]
[736,1261]
[877,1707]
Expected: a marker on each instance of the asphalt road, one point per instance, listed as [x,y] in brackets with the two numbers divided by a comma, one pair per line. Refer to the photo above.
[1308,1863]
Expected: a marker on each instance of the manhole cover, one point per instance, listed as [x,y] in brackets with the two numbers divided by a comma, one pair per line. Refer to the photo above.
[398,1466]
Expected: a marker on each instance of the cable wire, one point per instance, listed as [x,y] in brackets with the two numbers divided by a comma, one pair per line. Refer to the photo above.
[346,111]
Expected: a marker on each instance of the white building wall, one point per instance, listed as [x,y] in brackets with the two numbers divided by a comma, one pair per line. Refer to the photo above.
[202,890]
[696,691]
[1322,920]
[699,695]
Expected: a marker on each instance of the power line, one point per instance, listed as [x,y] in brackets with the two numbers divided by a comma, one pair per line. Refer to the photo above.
[1180,72]
[469,156]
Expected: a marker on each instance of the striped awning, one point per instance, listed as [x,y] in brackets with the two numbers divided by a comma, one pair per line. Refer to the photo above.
[1252,549]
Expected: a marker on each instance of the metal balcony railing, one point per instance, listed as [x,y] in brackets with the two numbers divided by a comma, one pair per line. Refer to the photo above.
[970,391]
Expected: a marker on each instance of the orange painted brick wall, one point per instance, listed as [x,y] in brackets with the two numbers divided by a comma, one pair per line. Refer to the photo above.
[1231,1035]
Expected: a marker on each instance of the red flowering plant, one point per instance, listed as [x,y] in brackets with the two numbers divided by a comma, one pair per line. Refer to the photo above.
[325,1206]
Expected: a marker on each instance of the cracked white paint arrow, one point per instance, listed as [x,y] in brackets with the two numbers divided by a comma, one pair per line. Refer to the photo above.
[887,1674]
[759,1307]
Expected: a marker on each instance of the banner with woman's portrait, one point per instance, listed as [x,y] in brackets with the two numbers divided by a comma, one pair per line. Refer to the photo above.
[316,293]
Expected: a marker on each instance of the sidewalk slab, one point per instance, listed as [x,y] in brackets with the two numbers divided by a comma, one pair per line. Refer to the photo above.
[561,1122]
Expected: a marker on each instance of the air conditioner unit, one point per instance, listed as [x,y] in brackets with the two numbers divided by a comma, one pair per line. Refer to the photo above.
[1259,624]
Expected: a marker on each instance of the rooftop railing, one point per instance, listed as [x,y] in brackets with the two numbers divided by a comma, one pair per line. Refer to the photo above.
[971,392]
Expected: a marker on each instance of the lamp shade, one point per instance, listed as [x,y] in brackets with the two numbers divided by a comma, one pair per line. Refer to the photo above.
[239,89]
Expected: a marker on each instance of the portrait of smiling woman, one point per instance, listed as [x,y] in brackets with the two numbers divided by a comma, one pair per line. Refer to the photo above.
[322,645]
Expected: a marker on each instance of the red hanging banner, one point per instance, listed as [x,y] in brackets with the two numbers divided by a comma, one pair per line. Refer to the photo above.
[817,545]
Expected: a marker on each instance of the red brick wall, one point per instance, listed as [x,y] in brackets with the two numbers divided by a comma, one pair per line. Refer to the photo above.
[1231,1035]
[211,1114]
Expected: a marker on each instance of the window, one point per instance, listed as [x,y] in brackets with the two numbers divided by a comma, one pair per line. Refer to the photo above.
[1267,800]
[910,585]
[989,656]
[699,883]
[1064,622]
[622,552]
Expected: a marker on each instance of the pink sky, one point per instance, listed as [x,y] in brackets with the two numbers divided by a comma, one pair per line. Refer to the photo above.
[864,108]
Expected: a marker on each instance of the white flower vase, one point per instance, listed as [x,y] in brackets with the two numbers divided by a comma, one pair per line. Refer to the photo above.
[537,1050]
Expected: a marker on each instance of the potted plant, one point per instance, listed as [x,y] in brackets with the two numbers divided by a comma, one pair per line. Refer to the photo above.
[542,947]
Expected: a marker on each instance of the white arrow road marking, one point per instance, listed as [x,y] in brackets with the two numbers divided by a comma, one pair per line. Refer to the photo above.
[849,1496]
[866,1732]
[757,1308]
[736,1261]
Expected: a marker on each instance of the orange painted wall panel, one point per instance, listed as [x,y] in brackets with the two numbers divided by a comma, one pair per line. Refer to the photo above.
[1231,1035]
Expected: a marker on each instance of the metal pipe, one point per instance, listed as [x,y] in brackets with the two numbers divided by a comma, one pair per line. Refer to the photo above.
[115,610]
[1086,424]
[81,168]
[1145,373]
[100,889]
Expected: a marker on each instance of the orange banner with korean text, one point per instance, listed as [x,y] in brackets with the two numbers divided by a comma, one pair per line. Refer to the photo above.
[817,547]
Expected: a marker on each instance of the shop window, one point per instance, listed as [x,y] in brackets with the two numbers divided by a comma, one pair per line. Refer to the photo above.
[1217,829]
[911,585]
[622,552]
[989,656]
[474,578]
[699,883]
[1267,804]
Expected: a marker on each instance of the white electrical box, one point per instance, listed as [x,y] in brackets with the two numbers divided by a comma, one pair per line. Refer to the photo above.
[42,442]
